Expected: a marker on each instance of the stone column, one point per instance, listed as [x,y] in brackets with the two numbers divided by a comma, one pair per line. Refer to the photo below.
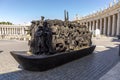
[101,25]
[93,27]
[113,26]
[90,26]
[23,31]
[6,30]
[118,24]
[0,30]
[104,29]
[87,24]
[3,31]
[10,31]
[96,24]
[20,30]
[15,31]
[109,26]
[84,23]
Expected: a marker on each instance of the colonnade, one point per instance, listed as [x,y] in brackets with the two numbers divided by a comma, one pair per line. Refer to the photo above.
[109,26]
[12,31]
[107,20]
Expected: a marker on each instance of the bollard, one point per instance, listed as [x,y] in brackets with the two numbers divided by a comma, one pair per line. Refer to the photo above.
[119,49]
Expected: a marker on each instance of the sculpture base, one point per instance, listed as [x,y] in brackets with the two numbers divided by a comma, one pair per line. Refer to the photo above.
[45,62]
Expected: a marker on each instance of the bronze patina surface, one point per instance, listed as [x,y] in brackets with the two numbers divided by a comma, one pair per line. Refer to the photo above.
[53,43]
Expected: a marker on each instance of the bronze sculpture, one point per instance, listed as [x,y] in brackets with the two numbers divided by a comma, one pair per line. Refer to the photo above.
[54,36]
[53,43]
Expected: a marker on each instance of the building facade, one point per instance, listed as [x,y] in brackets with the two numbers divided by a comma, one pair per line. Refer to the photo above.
[13,32]
[106,20]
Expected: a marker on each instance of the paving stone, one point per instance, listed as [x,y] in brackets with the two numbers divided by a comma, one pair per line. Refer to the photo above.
[113,74]
[91,67]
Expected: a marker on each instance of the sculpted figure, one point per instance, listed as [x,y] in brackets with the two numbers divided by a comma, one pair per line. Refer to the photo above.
[54,36]
[39,38]
[32,31]
[47,38]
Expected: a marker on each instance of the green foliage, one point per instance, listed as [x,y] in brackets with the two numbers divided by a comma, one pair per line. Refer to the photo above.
[6,23]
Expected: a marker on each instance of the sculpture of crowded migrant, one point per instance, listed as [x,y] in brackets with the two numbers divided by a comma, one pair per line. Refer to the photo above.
[54,36]
[53,43]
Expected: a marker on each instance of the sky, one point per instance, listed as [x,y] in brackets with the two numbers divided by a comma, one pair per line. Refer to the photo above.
[24,11]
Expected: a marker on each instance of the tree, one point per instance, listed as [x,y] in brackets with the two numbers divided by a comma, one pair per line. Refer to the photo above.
[6,23]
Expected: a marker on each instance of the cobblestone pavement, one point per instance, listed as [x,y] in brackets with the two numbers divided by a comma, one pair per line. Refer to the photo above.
[113,74]
[91,67]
